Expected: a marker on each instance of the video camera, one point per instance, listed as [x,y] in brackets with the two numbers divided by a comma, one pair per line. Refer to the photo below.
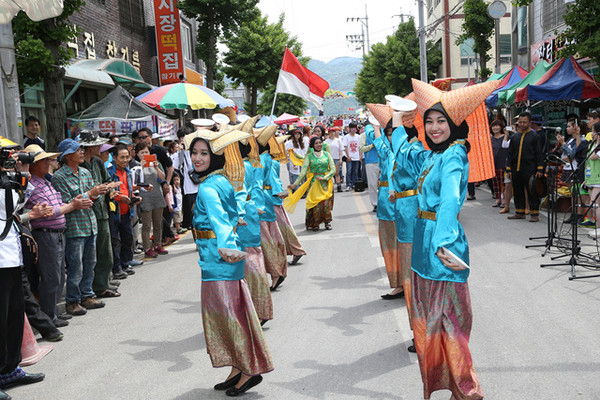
[13,179]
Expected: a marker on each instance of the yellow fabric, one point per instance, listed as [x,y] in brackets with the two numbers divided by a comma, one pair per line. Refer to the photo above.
[316,194]
[234,166]
[254,156]
[295,158]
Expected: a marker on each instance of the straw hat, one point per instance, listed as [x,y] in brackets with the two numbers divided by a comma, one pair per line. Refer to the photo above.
[40,154]
[91,138]
[218,145]
[247,123]
[263,135]
[381,112]
[202,134]
[459,103]
[282,138]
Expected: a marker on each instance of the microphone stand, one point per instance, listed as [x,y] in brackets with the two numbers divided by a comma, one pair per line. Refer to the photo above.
[552,220]
[575,250]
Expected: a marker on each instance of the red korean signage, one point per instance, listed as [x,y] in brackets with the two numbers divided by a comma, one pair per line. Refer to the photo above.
[168,41]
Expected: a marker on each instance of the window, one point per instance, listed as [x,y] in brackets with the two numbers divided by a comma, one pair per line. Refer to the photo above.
[522,26]
[131,15]
[505,49]
[186,42]
[466,52]
[552,14]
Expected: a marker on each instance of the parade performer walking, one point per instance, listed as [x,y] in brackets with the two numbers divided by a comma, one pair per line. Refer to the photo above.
[292,244]
[319,169]
[442,316]
[272,243]
[232,329]
[249,231]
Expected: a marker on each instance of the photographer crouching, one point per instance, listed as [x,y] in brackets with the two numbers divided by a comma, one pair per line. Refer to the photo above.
[13,186]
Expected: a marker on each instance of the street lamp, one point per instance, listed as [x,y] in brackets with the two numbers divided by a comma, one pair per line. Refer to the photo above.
[497,10]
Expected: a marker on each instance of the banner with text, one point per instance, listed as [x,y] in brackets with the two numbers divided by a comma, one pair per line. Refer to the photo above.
[168,41]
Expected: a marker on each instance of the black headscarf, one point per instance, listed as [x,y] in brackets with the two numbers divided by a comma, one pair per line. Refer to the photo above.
[245,149]
[216,162]
[456,132]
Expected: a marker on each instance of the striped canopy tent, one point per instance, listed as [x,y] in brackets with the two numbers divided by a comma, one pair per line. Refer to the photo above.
[514,76]
[507,95]
[566,80]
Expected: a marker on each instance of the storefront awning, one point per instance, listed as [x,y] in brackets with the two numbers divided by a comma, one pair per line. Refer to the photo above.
[121,72]
[194,77]
[89,76]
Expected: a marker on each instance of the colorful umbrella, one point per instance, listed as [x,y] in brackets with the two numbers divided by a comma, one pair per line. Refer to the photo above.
[514,76]
[183,95]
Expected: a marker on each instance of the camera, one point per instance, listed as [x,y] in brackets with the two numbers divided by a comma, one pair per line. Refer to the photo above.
[8,162]
[14,179]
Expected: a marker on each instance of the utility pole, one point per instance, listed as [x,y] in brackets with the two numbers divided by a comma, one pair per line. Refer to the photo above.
[359,40]
[422,41]
[10,116]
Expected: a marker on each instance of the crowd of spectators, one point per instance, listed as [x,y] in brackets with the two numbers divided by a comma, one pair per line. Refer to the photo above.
[93,206]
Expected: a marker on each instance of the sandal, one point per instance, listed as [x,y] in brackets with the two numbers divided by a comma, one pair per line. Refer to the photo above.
[109,293]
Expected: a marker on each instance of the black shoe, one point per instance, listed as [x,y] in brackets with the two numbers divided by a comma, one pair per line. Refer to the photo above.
[374,209]
[66,317]
[60,323]
[120,275]
[412,348]
[26,379]
[54,336]
[264,321]
[295,260]
[4,396]
[114,283]
[392,296]
[231,382]
[250,383]
[471,197]
[279,282]
[129,271]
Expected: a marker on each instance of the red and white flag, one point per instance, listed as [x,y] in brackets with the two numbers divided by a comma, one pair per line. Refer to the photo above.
[300,81]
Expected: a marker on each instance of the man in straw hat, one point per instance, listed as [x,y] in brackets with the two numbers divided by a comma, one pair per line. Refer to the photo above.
[49,233]
[71,181]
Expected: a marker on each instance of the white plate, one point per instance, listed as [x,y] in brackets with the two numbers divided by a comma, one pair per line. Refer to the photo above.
[403,105]
[232,252]
[373,120]
[221,119]
[454,258]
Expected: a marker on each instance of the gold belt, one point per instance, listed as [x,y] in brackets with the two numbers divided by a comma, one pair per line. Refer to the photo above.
[205,234]
[267,187]
[406,193]
[426,215]
[383,184]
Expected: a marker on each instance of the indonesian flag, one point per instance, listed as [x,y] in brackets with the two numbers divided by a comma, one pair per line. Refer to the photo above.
[299,81]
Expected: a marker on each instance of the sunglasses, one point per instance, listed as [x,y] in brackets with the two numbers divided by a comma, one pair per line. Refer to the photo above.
[143,137]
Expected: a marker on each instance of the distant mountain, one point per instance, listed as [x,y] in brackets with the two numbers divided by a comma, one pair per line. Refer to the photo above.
[340,72]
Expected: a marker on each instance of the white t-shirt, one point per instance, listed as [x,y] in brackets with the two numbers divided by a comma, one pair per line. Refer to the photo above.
[10,247]
[336,147]
[352,143]
[294,169]
[177,195]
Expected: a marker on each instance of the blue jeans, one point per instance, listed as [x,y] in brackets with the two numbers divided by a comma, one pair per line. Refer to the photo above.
[80,255]
[352,170]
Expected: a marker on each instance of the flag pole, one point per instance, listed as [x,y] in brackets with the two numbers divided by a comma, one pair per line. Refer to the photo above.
[275,97]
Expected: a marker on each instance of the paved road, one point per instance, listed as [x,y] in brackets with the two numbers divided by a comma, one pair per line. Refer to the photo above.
[535,333]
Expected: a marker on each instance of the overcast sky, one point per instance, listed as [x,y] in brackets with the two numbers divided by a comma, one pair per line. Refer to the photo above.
[321,25]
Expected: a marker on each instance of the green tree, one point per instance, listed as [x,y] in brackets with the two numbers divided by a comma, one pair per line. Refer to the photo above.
[389,66]
[479,26]
[583,31]
[216,17]
[254,54]
[41,54]
[285,103]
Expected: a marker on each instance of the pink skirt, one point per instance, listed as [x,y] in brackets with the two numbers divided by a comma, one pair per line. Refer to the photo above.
[258,283]
[273,248]
[232,330]
[292,244]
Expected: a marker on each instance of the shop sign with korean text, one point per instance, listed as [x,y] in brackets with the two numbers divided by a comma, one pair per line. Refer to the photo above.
[168,41]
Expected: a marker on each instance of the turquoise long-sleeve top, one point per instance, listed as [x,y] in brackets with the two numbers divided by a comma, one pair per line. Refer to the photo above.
[249,234]
[267,170]
[402,180]
[276,184]
[386,209]
[216,210]
[442,187]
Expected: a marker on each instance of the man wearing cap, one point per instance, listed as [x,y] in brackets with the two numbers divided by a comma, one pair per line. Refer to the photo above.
[71,181]
[49,232]
[91,143]
[537,122]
